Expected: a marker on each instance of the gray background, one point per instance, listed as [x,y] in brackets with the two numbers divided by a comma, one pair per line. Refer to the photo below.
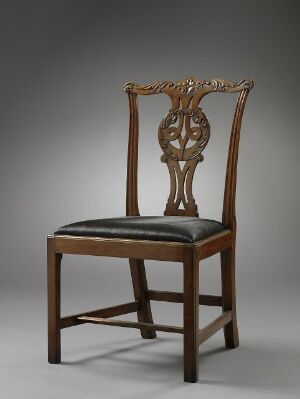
[64,127]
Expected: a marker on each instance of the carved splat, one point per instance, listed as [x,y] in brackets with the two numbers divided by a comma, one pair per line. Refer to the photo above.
[183,135]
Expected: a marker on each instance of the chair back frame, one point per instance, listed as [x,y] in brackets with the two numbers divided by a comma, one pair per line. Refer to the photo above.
[185,96]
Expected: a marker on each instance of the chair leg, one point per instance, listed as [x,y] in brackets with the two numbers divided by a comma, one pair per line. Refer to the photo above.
[139,282]
[229,297]
[191,317]
[54,266]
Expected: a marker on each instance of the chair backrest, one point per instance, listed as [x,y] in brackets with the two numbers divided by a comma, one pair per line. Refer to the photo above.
[183,134]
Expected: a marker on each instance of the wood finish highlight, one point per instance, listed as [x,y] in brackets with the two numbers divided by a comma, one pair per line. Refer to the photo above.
[177,297]
[131,324]
[73,320]
[190,315]
[54,285]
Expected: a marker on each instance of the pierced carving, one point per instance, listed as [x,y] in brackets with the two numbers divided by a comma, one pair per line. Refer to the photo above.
[198,135]
[178,146]
[183,135]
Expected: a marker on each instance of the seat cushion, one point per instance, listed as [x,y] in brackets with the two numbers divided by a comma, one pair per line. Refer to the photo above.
[155,228]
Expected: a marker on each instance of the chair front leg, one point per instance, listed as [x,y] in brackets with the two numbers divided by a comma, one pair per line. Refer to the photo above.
[229,296]
[54,332]
[191,316]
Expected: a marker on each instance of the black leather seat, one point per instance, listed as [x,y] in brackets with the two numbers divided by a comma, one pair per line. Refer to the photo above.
[156,228]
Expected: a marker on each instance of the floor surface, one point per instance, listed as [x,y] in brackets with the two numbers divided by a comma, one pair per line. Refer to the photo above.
[109,362]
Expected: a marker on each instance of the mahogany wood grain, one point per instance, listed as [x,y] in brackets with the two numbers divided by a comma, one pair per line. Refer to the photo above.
[140,288]
[229,296]
[132,324]
[177,297]
[229,216]
[132,208]
[191,316]
[120,248]
[73,320]
[214,326]
[214,244]
[54,287]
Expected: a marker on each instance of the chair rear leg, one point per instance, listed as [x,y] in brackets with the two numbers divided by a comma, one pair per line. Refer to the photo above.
[229,296]
[140,287]
[191,317]
[53,271]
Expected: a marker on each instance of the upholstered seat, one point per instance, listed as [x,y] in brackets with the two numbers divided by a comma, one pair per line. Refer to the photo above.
[155,228]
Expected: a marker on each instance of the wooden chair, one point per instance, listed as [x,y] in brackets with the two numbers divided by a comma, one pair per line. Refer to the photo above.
[179,236]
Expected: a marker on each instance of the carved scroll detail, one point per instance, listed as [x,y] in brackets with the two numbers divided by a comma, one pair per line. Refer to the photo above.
[183,135]
[198,135]
[170,135]
[189,86]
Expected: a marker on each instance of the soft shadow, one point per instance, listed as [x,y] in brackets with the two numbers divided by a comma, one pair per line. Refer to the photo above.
[114,352]
[269,368]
